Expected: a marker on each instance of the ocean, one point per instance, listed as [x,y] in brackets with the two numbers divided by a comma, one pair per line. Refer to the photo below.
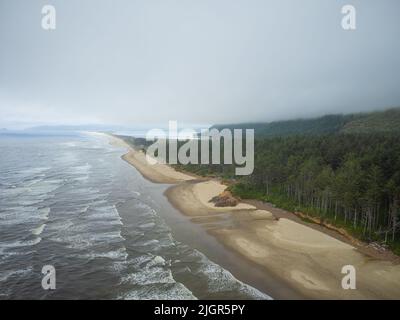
[71,202]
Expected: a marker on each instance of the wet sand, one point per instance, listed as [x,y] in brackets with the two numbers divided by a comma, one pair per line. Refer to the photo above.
[302,258]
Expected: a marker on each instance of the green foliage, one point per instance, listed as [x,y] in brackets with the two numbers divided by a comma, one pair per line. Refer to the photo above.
[352,181]
[384,122]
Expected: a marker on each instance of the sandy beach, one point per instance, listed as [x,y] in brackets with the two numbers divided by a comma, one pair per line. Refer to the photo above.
[157,173]
[303,258]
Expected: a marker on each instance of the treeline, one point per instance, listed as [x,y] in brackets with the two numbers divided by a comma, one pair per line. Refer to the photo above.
[345,179]
[387,121]
[349,180]
[321,125]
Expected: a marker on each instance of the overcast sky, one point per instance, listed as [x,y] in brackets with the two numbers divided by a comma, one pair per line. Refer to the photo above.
[195,61]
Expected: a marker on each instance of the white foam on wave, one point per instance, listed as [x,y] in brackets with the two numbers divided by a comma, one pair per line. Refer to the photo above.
[83,209]
[148,260]
[5,275]
[60,226]
[106,213]
[148,211]
[12,191]
[34,194]
[38,231]
[150,269]
[153,279]
[45,186]
[156,261]
[21,214]
[22,243]
[31,242]
[106,236]
[9,253]
[147,225]
[82,179]
[74,242]
[145,243]
[173,291]
[44,213]
[145,277]
[220,279]
[83,240]
[119,254]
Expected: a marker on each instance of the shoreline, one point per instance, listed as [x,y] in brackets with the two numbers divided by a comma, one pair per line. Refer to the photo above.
[306,258]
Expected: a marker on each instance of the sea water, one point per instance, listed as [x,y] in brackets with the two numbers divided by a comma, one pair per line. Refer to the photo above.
[71,202]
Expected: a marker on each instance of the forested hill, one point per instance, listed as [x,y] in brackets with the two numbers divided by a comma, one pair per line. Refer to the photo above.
[342,169]
[387,121]
[384,121]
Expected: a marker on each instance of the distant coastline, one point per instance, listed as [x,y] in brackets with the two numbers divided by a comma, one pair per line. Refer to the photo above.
[305,259]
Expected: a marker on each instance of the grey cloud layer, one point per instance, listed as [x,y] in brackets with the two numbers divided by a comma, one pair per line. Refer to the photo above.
[196,61]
